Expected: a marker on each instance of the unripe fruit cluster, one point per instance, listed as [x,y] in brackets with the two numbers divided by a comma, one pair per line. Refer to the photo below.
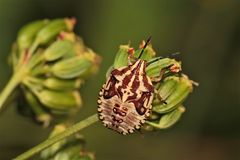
[53,62]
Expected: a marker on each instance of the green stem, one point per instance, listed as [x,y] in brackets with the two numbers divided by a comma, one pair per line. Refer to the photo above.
[11,85]
[68,132]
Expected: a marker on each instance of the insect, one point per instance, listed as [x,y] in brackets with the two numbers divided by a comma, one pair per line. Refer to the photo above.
[125,99]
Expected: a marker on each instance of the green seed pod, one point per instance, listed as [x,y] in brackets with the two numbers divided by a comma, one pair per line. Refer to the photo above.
[40,114]
[63,101]
[53,28]
[36,58]
[121,58]
[155,68]
[95,60]
[57,50]
[27,34]
[62,85]
[78,48]
[175,94]
[71,68]
[169,119]
[166,88]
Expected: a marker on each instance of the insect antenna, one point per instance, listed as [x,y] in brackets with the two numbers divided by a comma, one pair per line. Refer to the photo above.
[145,45]
[154,60]
[173,55]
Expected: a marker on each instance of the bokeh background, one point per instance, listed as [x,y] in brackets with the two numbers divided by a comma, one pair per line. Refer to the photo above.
[206,32]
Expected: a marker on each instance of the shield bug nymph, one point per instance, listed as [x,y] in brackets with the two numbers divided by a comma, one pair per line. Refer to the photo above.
[125,99]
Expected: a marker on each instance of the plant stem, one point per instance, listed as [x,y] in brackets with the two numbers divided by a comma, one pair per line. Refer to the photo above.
[11,85]
[68,132]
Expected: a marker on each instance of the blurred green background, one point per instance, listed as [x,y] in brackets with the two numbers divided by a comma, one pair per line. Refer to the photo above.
[206,32]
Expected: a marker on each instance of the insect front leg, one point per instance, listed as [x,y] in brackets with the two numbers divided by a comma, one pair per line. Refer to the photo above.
[159,97]
[163,71]
[158,67]
[159,77]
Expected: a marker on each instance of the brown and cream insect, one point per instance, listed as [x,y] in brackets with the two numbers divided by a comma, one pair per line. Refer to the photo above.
[125,99]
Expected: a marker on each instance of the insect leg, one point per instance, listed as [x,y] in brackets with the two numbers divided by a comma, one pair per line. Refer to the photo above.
[158,78]
[159,96]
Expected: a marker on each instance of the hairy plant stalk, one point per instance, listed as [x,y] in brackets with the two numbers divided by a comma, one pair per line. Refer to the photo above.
[70,131]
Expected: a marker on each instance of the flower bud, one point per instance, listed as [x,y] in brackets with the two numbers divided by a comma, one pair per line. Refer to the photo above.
[27,34]
[173,90]
[58,49]
[63,101]
[53,28]
[71,68]
[62,84]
